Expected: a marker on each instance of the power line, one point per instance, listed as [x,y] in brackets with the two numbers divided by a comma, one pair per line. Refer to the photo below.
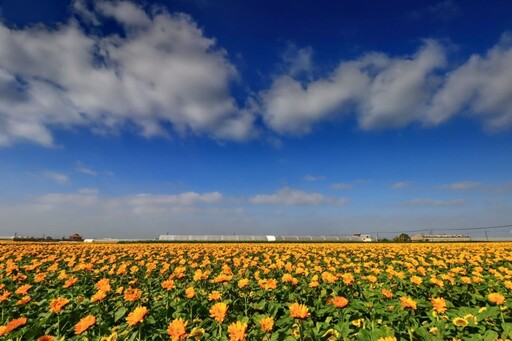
[445,229]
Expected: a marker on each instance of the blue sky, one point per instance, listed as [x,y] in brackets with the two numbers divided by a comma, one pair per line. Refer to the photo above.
[135,119]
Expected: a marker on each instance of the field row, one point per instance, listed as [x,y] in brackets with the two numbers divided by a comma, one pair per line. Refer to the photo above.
[255,291]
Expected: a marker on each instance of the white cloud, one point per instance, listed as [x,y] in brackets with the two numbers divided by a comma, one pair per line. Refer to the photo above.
[139,204]
[183,199]
[288,196]
[59,178]
[435,203]
[298,61]
[481,87]
[461,185]
[80,167]
[341,185]
[84,197]
[402,185]
[163,71]
[313,178]
[383,91]
[392,92]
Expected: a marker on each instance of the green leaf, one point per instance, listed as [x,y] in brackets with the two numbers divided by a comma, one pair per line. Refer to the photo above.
[120,313]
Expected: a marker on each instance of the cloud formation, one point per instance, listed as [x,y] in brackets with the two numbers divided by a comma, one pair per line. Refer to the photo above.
[435,203]
[81,168]
[383,91]
[289,196]
[481,87]
[313,178]
[461,185]
[59,178]
[160,75]
[392,92]
[158,71]
[402,185]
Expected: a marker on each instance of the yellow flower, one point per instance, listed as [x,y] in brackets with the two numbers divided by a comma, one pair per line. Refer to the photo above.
[137,315]
[460,322]
[243,283]
[177,329]
[98,296]
[190,292]
[496,298]
[339,302]
[70,282]
[387,293]
[439,304]
[358,322]
[471,318]
[214,296]
[103,285]
[416,280]
[84,324]
[408,302]
[3,330]
[218,311]
[132,295]
[168,285]
[237,331]
[267,324]
[299,311]
[57,304]
[387,338]
[197,333]
[25,299]
[111,337]
[23,289]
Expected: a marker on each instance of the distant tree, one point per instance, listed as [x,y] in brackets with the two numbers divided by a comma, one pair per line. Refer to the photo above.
[402,238]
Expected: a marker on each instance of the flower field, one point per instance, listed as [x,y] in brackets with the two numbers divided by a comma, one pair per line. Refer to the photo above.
[255,291]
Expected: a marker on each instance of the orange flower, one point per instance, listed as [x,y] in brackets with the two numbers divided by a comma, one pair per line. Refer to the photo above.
[190,292]
[177,329]
[70,282]
[168,285]
[243,283]
[16,323]
[267,284]
[348,279]
[22,290]
[137,315]
[267,324]
[237,331]
[218,311]
[103,285]
[416,280]
[214,296]
[84,324]
[387,293]
[408,302]
[439,304]
[98,296]
[46,338]
[57,304]
[40,277]
[299,311]
[339,302]
[496,298]
[25,299]
[5,296]
[132,295]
